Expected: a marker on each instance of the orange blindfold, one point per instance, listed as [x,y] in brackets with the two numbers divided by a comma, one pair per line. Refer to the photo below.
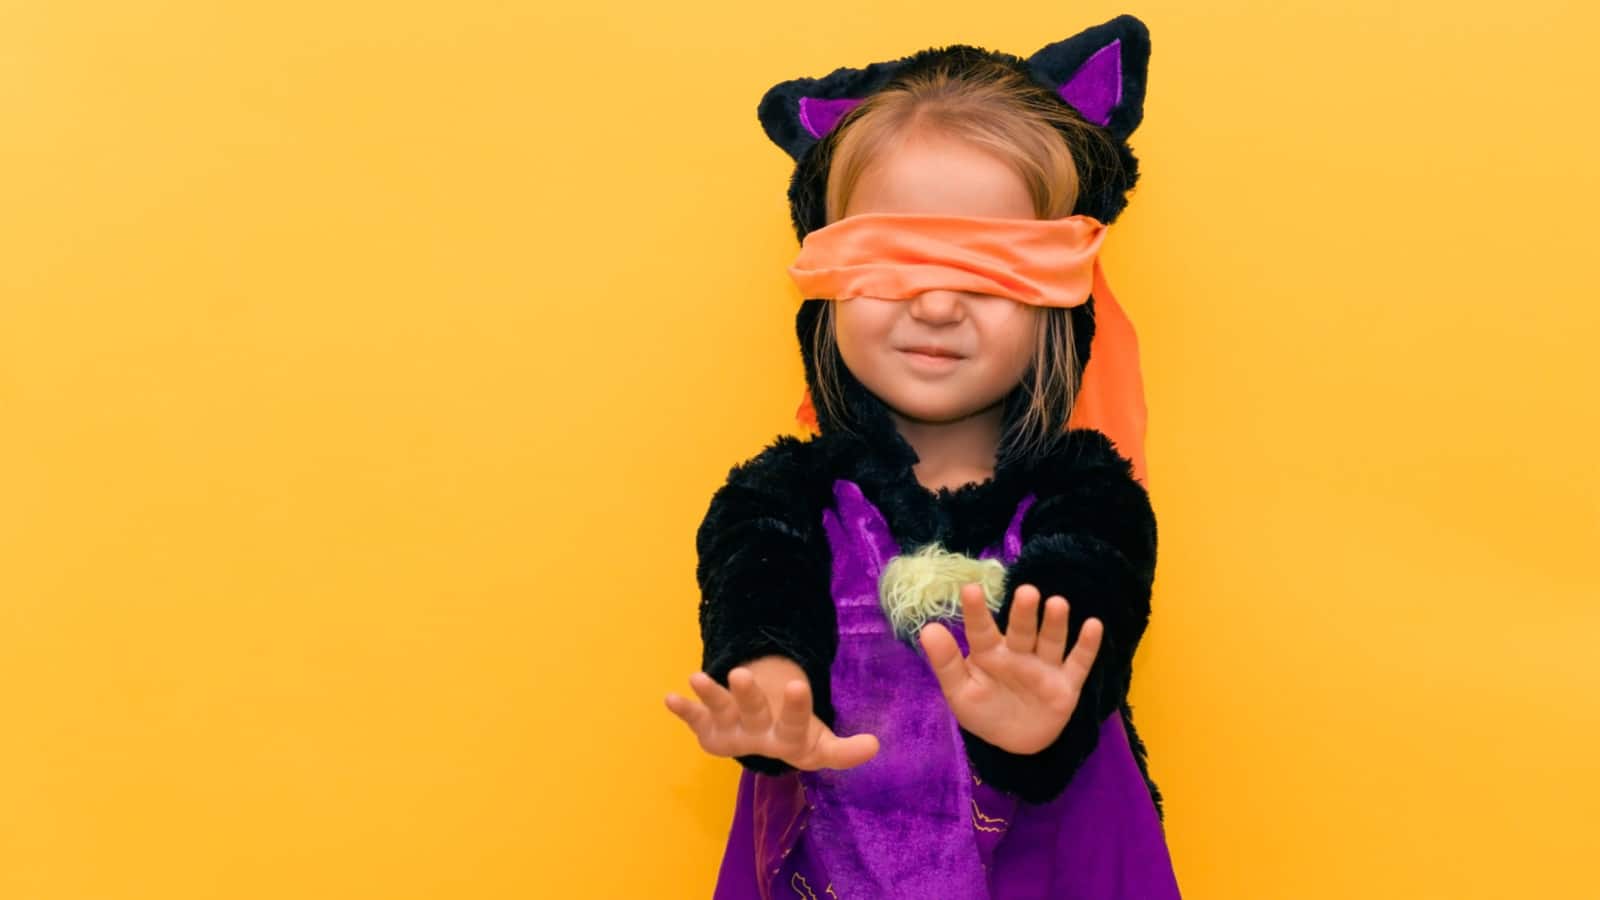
[895,256]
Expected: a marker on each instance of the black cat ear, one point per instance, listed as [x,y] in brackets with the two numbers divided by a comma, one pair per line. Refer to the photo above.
[1100,72]
[797,113]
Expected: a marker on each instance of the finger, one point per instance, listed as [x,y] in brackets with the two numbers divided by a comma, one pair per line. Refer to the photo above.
[1083,652]
[754,715]
[723,710]
[845,753]
[695,715]
[983,635]
[1053,637]
[1022,629]
[944,657]
[794,719]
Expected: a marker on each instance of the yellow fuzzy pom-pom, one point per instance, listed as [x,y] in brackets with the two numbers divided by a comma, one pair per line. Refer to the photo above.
[920,587]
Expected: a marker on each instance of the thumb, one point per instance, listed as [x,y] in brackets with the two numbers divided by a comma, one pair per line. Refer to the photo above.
[844,753]
[944,657]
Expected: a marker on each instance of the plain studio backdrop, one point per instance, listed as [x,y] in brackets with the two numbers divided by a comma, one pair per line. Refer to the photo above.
[365,369]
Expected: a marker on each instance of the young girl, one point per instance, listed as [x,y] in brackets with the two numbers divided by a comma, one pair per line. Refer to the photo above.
[919,624]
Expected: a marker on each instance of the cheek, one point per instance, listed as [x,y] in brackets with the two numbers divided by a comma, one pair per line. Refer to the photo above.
[1015,334]
[861,324]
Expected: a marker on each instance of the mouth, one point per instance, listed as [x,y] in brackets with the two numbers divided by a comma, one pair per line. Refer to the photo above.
[936,352]
[932,363]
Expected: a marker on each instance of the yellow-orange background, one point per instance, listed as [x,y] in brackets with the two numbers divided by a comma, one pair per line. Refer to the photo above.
[365,369]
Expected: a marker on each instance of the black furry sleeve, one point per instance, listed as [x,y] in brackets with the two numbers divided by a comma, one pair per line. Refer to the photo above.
[1090,537]
[764,572]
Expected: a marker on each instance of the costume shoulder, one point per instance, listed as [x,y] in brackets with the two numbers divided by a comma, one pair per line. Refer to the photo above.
[1090,538]
[764,572]
[1074,454]
[1086,486]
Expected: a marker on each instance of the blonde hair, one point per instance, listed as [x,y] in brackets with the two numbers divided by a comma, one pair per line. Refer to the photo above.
[1003,112]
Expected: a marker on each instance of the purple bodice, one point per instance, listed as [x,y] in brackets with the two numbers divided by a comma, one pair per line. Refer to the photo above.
[915,820]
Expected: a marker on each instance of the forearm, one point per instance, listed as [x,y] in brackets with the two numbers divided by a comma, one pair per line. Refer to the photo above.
[764,573]
[767,596]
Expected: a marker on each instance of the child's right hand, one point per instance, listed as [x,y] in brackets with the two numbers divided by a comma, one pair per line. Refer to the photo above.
[741,722]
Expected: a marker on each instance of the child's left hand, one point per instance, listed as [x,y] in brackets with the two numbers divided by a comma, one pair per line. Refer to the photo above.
[1014,690]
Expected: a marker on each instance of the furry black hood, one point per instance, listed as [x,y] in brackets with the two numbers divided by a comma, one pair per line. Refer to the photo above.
[1099,73]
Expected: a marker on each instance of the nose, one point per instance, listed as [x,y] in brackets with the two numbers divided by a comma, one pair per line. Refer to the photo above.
[937,306]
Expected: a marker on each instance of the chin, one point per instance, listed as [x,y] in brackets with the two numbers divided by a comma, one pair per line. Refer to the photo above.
[934,415]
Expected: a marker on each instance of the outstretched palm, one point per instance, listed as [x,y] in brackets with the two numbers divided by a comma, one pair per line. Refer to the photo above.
[740,720]
[1014,690]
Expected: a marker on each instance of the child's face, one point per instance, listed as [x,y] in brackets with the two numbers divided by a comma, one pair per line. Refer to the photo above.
[994,337]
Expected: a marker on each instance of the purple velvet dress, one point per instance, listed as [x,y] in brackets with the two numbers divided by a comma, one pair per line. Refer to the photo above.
[916,821]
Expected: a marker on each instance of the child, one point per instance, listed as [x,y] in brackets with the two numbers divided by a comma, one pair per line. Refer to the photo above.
[897,739]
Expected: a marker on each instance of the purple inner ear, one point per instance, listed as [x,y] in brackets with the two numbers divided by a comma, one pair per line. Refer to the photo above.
[1096,88]
[819,115]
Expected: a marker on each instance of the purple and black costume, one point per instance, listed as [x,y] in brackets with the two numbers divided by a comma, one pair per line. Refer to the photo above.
[792,546]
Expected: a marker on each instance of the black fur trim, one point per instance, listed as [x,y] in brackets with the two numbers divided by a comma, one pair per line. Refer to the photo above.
[765,575]
[1088,487]
[1139,755]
